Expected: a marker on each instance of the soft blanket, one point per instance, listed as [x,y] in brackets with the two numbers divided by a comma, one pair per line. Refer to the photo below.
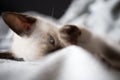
[72,63]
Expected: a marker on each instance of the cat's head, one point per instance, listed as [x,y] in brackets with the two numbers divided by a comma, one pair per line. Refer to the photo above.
[39,34]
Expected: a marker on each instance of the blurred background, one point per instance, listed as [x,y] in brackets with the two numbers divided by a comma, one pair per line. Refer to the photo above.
[53,8]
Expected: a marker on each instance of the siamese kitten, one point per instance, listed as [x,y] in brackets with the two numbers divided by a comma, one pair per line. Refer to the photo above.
[36,37]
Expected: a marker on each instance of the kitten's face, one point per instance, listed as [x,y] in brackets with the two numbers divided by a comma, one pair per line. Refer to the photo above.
[38,37]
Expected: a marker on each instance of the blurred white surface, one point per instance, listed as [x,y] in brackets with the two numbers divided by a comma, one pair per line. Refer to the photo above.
[72,63]
[100,16]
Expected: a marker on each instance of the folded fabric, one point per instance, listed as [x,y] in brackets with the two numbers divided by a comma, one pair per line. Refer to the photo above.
[72,63]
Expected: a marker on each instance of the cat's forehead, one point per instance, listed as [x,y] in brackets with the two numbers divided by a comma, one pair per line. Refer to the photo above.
[44,27]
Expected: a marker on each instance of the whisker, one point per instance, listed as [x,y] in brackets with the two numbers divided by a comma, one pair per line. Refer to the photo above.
[52,12]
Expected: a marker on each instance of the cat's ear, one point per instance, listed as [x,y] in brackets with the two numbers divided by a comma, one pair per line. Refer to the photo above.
[19,23]
[71,33]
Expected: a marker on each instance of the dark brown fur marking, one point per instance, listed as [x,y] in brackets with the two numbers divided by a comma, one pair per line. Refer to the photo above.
[8,55]
[19,23]
[71,33]
[111,54]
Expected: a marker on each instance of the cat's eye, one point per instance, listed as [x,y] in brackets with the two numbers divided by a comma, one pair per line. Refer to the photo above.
[52,40]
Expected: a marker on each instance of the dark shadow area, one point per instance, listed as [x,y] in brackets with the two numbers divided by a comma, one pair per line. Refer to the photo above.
[116,10]
[53,8]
